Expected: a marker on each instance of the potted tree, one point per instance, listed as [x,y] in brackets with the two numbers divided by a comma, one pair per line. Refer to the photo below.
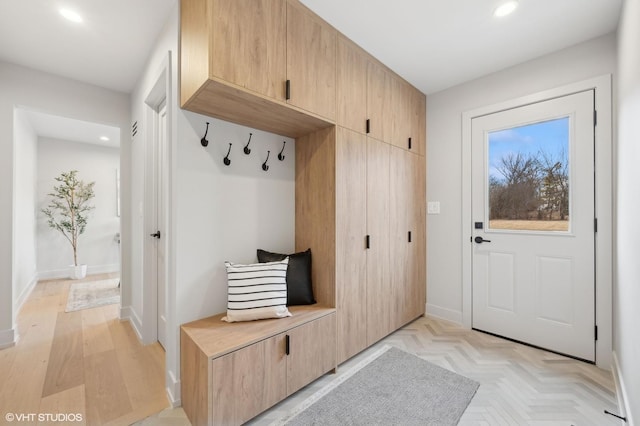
[67,212]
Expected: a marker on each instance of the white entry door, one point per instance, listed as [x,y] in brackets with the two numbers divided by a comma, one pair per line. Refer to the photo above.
[533,224]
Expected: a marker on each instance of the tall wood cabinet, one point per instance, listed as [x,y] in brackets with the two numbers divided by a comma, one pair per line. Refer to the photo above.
[360,207]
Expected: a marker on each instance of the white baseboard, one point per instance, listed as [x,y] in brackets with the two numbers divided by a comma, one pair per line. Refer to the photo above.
[25,294]
[444,313]
[127,313]
[621,391]
[173,390]
[55,274]
[7,338]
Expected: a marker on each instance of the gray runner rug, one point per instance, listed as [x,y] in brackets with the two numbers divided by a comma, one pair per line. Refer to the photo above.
[91,294]
[395,388]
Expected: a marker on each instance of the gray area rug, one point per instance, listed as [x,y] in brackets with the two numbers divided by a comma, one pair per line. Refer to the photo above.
[393,388]
[92,294]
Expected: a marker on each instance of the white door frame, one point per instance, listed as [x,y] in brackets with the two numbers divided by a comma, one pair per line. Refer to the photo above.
[159,93]
[603,200]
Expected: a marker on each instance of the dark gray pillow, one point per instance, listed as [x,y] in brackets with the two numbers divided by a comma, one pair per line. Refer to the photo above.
[299,287]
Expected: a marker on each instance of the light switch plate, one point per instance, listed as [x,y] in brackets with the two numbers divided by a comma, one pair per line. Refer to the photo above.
[433,207]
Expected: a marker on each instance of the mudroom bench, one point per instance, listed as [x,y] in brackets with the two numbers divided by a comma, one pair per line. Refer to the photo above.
[231,372]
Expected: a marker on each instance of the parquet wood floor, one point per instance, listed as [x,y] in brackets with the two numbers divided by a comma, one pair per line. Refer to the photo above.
[519,385]
[85,362]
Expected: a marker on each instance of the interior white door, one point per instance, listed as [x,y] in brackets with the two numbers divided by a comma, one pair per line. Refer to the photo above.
[160,220]
[533,224]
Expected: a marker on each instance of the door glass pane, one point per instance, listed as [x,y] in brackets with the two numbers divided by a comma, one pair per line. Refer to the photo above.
[529,177]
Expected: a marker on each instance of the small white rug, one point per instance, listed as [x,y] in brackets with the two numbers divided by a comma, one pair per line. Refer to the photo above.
[91,294]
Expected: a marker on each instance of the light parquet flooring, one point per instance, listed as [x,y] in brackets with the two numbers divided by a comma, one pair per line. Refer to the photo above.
[86,362]
[519,385]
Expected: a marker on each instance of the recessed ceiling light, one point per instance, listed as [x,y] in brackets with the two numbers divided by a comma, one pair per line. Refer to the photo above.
[71,15]
[505,8]
[104,138]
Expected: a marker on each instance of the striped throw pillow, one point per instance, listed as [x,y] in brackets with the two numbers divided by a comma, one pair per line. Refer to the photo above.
[257,291]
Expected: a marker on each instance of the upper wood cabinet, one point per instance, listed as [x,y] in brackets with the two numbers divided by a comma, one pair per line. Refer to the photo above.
[311,61]
[379,102]
[237,55]
[353,64]
[248,39]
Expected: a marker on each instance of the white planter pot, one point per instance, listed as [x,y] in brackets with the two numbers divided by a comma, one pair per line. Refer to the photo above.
[77,272]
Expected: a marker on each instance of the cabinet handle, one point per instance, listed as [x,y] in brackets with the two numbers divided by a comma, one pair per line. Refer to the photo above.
[368,125]
[409,143]
[409,236]
[286,344]
[287,90]
[368,241]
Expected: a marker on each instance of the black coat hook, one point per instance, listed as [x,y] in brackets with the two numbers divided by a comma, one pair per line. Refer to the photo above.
[247,150]
[281,155]
[204,140]
[226,159]
[265,166]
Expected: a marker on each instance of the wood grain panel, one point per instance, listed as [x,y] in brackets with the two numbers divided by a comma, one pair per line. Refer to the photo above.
[379,102]
[352,64]
[380,292]
[419,121]
[351,255]
[401,113]
[249,44]
[66,358]
[312,352]
[194,381]
[311,61]
[417,248]
[316,208]
[195,18]
[231,103]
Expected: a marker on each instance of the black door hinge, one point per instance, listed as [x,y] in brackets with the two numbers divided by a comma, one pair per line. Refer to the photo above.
[596,332]
[595,118]
[595,224]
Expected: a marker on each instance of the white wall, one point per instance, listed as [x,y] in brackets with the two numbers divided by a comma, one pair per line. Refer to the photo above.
[44,92]
[97,246]
[627,289]
[444,152]
[218,213]
[24,228]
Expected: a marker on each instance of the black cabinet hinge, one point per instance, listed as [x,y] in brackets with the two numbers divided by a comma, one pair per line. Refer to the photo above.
[368,129]
[287,90]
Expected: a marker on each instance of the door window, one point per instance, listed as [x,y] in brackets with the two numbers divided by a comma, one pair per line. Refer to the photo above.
[528,177]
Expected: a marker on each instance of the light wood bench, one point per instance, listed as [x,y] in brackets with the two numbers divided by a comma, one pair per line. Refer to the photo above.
[231,372]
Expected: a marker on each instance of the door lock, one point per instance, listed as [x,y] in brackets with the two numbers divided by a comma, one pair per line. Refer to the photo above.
[481,240]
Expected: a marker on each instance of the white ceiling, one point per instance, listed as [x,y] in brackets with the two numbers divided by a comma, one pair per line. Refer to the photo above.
[434,44]
[68,129]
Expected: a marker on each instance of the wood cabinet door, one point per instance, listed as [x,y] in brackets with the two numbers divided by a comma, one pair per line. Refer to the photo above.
[379,102]
[351,254]
[311,61]
[415,300]
[418,121]
[351,85]
[249,44]
[400,113]
[312,352]
[380,292]
[248,381]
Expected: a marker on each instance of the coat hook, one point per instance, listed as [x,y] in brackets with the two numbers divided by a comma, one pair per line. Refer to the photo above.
[204,140]
[226,159]
[265,166]
[281,155]
[247,150]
